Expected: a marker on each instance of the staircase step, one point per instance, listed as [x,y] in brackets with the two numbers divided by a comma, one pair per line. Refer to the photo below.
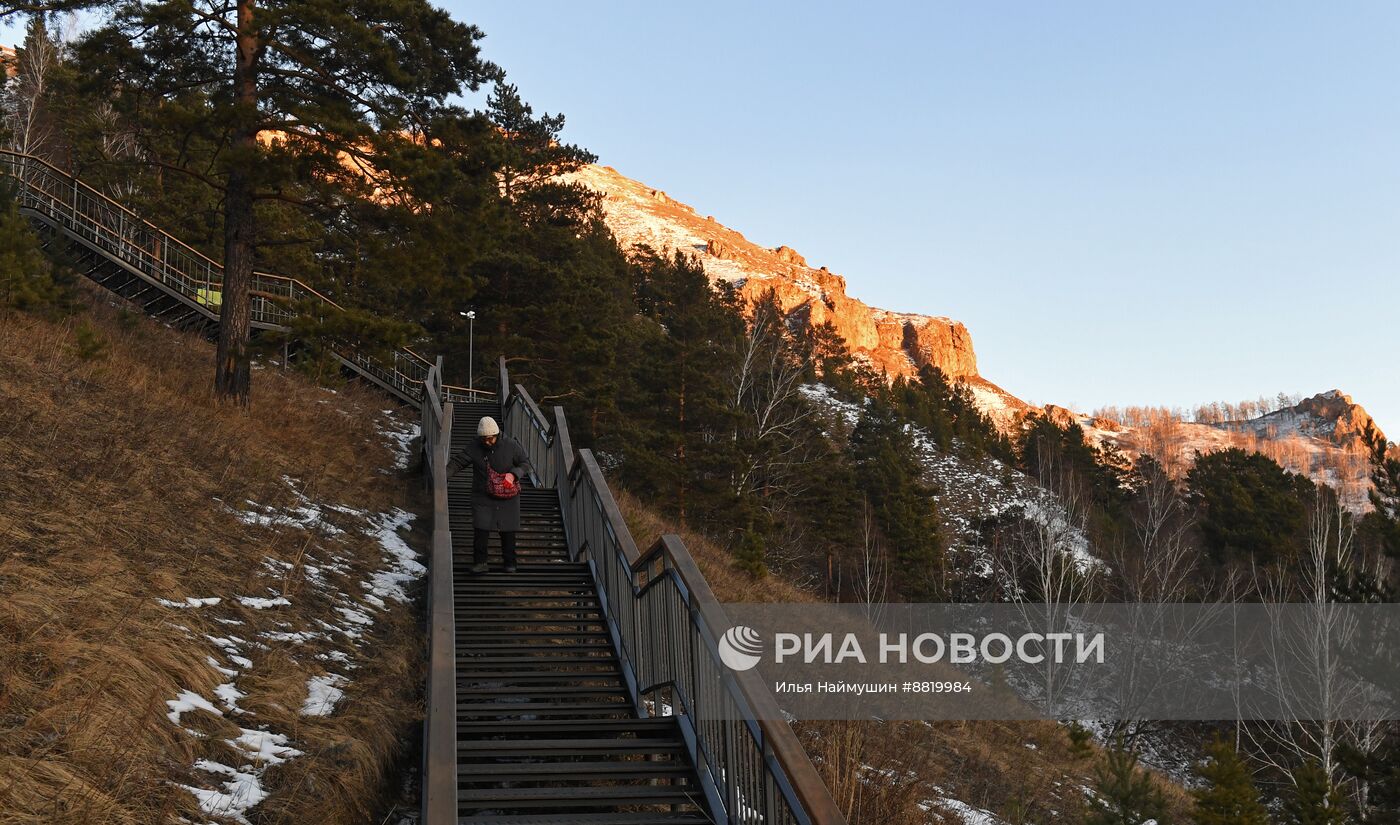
[581,771]
[651,726]
[627,818]
[580,693]
[582,796]
[537,710]
[569,747]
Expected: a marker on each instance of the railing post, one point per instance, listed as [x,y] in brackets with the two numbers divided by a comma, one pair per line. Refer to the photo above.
[504,390]
[565,446]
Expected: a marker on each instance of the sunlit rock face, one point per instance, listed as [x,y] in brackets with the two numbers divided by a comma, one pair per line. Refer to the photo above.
[895,342]
[1319,436]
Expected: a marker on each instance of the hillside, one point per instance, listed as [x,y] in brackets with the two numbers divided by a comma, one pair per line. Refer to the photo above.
[1317,437]
[205,614]
[919,773]
[898,343]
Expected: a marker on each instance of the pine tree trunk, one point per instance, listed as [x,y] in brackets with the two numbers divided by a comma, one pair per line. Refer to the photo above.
[231,373]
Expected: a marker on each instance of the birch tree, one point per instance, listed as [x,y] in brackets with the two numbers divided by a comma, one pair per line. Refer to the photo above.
[28,87]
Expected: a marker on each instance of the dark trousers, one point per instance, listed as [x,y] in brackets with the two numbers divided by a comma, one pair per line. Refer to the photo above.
[479,539]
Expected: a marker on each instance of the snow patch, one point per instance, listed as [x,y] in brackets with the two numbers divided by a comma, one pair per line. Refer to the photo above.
[187,701]
[967,813]
[404,566]
[264,747]
[400,437]
[258,603]
[190,602]
[322,693]
[240,792]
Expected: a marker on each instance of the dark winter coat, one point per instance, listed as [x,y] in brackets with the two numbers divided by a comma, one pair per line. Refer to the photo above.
[501,514]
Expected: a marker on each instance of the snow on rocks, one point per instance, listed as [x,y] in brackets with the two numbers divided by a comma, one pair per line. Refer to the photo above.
[968,489]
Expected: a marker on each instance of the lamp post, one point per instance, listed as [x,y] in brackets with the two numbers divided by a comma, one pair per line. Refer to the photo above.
[470,315]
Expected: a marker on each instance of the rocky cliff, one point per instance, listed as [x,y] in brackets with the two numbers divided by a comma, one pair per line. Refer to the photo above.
[896,342]
[1320,436]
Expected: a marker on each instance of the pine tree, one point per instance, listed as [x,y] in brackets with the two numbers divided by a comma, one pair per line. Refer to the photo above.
[683,451]
[748,556]
[1228,796]
[1126,794]
[906,511]
[947,412]
[1315,800]
[320,77]
[27,277]
[1249,507]
[1379,771]
[1385,490]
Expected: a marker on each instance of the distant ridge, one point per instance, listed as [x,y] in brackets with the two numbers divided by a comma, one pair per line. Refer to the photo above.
[1318,437]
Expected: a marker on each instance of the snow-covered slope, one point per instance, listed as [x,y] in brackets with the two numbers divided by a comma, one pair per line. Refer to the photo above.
[968,490]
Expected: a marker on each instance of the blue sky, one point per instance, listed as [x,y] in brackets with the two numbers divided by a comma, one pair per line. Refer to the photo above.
[1126,203]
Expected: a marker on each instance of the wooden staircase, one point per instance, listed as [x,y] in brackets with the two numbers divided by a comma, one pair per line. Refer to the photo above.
[541,683]
[546,730]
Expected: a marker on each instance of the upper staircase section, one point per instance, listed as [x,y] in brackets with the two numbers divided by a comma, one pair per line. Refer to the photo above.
[138,260]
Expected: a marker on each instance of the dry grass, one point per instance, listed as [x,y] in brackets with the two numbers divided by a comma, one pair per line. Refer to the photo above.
[118,475]
[889,773]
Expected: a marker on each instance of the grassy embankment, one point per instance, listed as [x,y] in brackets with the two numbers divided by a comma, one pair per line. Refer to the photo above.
[122,484]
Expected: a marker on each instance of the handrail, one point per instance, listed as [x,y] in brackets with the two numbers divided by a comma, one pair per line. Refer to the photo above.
[156,255]
[764,719]
[439,801]
[523,421]
[666,623]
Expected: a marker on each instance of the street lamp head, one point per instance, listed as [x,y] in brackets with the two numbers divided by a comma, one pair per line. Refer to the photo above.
[471,315]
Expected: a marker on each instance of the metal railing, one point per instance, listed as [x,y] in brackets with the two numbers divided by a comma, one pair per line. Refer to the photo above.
[522,420]
[439,799]
[66,203]
[666,623]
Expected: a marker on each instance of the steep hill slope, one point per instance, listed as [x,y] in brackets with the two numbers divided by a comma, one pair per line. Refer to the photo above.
[896,342]
[205,614]
[1318,437]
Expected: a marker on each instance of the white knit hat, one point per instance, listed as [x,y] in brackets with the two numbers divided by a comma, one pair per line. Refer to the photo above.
[487,426]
